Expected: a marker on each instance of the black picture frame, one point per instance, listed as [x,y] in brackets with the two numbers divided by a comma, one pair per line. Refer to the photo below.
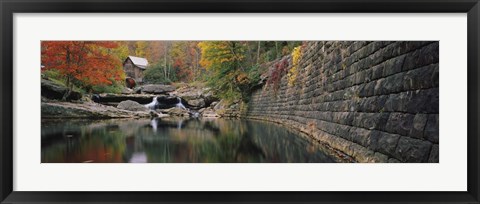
[10,7]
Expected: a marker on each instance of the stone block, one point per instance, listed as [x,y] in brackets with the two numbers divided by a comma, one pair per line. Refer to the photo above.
[368,89]
[421,78]
[377,71]
[432,129]
[423,101]
[382,142]
[379,158]
[426,55]
[412,150]
[419,122]
[393,66]
[399,123]
[434,154]
[360,136]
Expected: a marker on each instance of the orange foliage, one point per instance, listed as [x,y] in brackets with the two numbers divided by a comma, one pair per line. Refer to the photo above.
[89,62]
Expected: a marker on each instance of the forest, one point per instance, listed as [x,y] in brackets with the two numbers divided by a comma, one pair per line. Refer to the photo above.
[231,68]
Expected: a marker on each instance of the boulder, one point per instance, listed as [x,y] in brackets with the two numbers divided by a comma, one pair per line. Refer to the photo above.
[117,98]
[154,114]
[52,90]
[131,106]
[196,97]
[213,104]
[209,97]
[175,111]
[219,105]
[157,88]
[209,113]
[227,110]
[198,103]
[88,110]
[126,90]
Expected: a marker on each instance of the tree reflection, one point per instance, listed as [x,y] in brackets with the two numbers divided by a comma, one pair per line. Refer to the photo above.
[175,140]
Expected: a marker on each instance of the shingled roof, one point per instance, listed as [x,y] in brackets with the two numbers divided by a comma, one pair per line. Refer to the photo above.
[139,62]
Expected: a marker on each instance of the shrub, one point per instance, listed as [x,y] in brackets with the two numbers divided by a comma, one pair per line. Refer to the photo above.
[277,73]
[293,72]
[156,75]
[115,87]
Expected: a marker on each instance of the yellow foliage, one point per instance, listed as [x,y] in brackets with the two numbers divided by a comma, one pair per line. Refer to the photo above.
[242,78]
[217,52]
[293,72]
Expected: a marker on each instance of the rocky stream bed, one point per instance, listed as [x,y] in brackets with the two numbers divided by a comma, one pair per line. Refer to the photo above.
[152,100]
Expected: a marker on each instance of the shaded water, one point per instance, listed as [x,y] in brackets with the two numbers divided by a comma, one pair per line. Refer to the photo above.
[176,140]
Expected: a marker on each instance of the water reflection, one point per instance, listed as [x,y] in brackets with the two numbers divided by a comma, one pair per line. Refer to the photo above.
[176,140]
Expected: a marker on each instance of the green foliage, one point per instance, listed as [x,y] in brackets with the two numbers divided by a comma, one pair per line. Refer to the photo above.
[156,74]
[53,74]
[115,87]
[224,62]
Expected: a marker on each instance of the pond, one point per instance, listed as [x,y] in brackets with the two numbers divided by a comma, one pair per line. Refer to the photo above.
[177,140]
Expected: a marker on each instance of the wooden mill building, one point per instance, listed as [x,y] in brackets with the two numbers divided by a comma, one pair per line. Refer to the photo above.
[134,67]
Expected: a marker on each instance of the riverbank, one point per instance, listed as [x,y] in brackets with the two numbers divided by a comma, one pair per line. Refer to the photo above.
[147,101]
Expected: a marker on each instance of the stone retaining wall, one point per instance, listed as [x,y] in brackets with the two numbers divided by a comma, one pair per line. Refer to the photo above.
[375,101]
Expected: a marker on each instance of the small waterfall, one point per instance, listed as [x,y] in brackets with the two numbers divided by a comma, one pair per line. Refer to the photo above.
[179,104]
[152,104]
[192,114]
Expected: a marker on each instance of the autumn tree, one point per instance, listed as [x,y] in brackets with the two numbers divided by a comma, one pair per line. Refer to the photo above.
[225,63]
[121,51]
[185,58]
[141,48]
[86,63]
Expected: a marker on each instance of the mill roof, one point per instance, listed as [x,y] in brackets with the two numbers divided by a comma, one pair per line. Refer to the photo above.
[139,61]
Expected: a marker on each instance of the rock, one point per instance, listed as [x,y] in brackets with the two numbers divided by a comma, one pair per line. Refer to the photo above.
[126,90]
[227,110]
[131,106]
[213,104]
[196,97]
[154,114]
[219,105]
[137,90]
[88,110]
[157,88]
[191,95]
[52,90]
[209,97]
[209,113]
[116,98]
[175,111]
[199,103]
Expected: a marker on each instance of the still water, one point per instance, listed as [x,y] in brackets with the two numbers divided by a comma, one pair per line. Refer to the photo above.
[176,140]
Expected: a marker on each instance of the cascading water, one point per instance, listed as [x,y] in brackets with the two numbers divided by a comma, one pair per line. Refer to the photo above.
[180,104]
[152,104]
[192,114]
